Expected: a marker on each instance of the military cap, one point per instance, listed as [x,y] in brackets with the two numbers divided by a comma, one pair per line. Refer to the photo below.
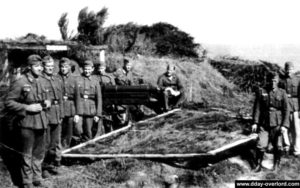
[288,64]
[64,60]
[126,60]
[88,63]
[47,59]
[34,59]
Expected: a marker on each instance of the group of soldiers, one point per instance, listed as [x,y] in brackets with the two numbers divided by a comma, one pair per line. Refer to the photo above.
[276,117]
[51,110]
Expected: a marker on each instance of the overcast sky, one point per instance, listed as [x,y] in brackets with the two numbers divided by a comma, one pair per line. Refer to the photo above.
[266,29]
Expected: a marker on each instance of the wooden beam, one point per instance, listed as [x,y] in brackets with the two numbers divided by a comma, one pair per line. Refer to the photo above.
[160,115]
[252,137]
[123,129]
[138,156]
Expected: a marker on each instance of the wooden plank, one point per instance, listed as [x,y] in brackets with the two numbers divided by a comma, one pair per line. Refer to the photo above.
[234,144]
[123,129]
[138,156]
[159,116]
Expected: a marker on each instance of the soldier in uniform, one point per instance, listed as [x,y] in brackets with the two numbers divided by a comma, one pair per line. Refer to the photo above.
[104,77]
[26,100]
[52,90]
[271,119]
[68,81]
[123,76]
[88,100]
[291,84]
[173,90]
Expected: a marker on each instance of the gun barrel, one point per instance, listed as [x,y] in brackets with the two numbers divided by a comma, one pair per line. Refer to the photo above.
[125,95]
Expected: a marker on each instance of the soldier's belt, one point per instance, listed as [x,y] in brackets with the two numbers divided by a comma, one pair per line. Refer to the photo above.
[55,102]
[91,97]
[35,102]
[292,96]
[70,98]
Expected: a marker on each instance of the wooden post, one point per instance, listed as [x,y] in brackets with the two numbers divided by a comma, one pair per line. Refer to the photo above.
[102,56]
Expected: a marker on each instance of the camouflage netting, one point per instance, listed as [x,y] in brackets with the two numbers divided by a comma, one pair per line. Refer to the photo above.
[181,132]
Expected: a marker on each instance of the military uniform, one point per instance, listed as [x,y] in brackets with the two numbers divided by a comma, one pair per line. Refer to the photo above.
[88,102]
[52,91]
[68,105]
[123,78]
[106,79]
[32,125]
[271,112]
[175,83]
[291,84]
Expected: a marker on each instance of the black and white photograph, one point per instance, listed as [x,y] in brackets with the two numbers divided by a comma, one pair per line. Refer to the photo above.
[149,94]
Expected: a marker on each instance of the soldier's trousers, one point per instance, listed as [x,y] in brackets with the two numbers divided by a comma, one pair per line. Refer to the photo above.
[87,125]
[53,145]
[67,131]
[33,151]
[170,100]
[295,132]
[271,136]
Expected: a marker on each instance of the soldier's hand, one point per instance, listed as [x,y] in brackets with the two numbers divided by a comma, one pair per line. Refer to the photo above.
[254,128]
[96,119]
[76,119]
[34,108]
[283,130]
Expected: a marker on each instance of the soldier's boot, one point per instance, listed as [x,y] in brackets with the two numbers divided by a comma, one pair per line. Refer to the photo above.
[277,158]
[259,159]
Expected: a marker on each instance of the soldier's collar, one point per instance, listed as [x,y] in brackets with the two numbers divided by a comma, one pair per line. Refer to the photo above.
[30,77]
[48,77]
[90,77]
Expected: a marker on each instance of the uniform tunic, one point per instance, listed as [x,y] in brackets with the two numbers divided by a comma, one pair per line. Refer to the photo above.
[291,85]
[52,90]
[106,79]
[68,83]
[175,83]
[123,78]
[88,96]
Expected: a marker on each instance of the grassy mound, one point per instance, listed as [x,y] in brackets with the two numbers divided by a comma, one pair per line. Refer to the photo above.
[203,83]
